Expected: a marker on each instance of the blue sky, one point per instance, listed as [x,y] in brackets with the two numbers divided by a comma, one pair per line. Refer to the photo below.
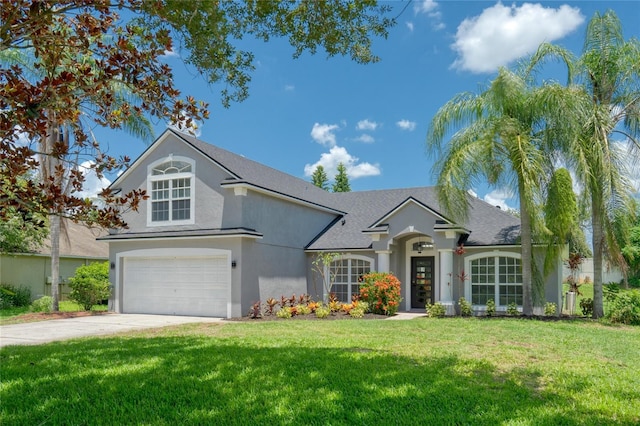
[374,118]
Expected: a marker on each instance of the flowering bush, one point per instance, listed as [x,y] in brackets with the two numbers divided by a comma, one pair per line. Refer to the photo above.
[381,290]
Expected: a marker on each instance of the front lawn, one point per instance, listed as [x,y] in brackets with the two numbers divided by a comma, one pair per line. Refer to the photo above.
[423,371]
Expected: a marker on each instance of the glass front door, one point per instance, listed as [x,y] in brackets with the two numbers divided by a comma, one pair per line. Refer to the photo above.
[422,285]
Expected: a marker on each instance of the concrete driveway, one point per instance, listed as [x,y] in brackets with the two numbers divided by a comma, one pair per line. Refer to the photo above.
[35,333]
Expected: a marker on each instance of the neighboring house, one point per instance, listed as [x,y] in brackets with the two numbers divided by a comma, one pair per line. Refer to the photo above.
[33,270]
[220,232]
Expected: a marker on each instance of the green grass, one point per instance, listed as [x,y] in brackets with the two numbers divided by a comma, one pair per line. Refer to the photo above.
[12,312]
[424,371]
[13,315]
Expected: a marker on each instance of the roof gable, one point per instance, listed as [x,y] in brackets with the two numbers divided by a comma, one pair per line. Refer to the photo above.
[410,200]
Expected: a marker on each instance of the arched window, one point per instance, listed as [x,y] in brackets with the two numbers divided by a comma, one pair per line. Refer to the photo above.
[170,186]
[346,273]
[495,276]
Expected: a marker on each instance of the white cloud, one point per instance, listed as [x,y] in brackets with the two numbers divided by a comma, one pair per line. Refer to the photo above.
[336,155]
[289,88]
[501,34]
[406,125]
[171,54]
[472,193]
[324,134]
[425,6]
[365,138]
[499,197]
[366,125]
[410,26]
[92,185]
[429,8]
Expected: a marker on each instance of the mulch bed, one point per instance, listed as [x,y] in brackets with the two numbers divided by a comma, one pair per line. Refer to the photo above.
[310,317]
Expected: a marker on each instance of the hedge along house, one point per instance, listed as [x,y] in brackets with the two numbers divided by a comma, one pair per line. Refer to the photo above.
[220,232]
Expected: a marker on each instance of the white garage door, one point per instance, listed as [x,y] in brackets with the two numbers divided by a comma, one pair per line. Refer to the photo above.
[194,285]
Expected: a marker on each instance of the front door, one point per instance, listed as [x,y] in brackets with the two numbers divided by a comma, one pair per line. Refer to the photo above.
[422,284]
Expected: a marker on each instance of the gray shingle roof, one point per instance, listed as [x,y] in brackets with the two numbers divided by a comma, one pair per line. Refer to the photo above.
[265,177]
[488,224]
[360,210]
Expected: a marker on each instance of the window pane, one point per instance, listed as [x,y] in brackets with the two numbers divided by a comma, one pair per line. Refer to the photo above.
[181,210]
[160,190]
[342,292]
[159,211]
[481,293]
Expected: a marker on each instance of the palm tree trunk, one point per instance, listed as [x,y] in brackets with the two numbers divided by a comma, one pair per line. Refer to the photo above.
[526,252]
[598,242]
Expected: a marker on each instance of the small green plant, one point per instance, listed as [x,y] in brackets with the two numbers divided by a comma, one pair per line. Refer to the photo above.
[357,312]
[625,309]
[43,304]
[284,312]
[382,291]
[90,285]
[634,282]
[322,311]
[14,297]
[303,309]
[587,307]
[491,308]
[550,309]
[466,309]
[436,310]
[363,305]
[512,309]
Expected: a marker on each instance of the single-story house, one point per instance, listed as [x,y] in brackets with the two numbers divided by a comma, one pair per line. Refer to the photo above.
[220,232]
[78,247]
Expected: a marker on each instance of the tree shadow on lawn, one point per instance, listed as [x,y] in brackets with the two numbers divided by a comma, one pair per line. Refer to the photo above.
[191,380]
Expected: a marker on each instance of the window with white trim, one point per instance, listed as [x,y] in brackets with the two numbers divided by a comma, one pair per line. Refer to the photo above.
[171,189]
[497,277]
[346,273]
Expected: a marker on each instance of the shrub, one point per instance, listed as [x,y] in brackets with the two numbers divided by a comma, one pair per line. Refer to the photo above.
[14,297]
[491,308]
[587,307]
[44,304]
[255,311]
[361,304]
[270,305]
[436,310]
[550,309]
[512,309]
[90,285]
[322,311]
[625,309]
[303,309]
[356,312]
[634,282]
[284,312]
[381,290]
[466,309]
[610,291]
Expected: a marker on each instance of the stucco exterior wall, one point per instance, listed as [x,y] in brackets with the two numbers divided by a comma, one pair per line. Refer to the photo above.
[32,271]
[211,209]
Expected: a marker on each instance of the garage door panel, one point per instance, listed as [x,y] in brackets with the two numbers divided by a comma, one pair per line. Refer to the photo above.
[176,285]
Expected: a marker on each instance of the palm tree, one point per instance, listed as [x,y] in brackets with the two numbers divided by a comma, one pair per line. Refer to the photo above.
[499,136]
[609,73]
